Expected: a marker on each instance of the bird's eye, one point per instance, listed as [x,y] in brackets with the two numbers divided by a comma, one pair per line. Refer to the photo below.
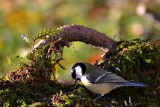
[74,74]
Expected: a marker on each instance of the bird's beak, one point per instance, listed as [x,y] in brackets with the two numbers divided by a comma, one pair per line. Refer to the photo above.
[77,81]
[74,82]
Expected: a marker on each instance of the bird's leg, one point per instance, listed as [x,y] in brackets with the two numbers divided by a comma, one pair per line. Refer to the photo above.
[94,101]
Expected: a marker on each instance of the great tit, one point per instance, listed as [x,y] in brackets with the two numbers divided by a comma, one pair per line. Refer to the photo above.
[98,80]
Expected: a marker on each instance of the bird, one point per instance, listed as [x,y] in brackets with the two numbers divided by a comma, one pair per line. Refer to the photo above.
[99,80]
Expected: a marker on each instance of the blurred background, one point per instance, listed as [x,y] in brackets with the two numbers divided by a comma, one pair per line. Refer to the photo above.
[119,19]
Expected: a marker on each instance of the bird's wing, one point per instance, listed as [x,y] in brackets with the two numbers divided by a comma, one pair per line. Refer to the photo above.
[104,77]
[109,77]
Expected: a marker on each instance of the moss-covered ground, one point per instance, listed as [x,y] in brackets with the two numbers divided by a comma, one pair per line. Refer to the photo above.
[30,84]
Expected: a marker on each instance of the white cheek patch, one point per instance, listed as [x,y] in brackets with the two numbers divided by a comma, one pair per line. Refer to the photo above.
[71,71]
[78,70]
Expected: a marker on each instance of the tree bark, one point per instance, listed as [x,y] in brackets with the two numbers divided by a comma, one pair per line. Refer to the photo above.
[73,33]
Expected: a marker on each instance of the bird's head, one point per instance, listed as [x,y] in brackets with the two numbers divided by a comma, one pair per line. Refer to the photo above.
[78,70]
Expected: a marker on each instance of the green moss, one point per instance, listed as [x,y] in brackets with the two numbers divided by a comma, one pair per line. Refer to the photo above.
[30,84]
[64,100]
[19,94]
[137,60]
[134,57]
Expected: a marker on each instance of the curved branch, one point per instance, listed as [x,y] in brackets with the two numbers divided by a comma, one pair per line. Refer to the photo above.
[72,33]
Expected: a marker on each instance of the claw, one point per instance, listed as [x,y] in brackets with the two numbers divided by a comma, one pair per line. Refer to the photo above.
[129,104]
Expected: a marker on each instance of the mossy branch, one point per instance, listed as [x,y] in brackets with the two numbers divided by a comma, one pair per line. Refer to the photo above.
[73,33]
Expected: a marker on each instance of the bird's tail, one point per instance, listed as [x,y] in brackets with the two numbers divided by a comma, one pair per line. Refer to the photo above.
[136,84]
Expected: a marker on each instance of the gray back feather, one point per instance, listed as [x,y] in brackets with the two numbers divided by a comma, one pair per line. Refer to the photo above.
[99,75]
